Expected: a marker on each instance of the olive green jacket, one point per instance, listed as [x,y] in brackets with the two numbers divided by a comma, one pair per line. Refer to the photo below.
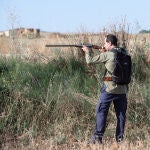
[108,59]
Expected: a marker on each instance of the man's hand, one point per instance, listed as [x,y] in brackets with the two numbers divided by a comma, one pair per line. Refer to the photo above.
[102,50]
[85,48]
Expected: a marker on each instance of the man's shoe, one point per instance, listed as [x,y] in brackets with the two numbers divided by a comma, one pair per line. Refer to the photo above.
[96,139]
[120,140]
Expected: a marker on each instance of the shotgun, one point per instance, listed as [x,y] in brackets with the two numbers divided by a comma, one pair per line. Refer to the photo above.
[76,45]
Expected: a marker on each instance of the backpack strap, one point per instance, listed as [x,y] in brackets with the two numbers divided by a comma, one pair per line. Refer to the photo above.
[115,50]
[119,50]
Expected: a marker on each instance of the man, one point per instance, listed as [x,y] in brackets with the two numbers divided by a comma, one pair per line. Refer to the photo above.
[110,91]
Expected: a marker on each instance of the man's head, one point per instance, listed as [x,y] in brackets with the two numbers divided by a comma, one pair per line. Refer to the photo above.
[110,42]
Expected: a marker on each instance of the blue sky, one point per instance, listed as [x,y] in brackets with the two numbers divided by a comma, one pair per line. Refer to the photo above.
[74,15]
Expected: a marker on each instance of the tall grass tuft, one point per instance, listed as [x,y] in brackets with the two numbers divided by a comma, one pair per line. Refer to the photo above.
[35,96]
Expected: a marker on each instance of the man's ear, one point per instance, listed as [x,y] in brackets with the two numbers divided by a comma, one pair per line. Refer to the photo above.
[110,43]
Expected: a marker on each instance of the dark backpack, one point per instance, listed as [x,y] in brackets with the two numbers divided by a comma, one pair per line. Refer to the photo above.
[123,67]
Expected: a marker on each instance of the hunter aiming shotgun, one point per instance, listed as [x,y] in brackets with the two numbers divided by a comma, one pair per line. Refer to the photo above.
[77,45]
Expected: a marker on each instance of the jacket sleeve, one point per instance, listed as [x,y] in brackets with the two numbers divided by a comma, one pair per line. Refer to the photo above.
[96,59]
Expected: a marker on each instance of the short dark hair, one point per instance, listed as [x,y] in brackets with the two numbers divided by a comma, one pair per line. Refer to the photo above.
[111,38]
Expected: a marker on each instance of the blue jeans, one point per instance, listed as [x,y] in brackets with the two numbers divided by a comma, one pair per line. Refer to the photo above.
[120,105]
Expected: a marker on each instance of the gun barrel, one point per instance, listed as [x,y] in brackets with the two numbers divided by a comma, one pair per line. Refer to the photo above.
[60,45]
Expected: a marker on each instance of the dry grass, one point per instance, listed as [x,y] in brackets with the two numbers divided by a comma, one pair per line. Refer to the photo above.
[34,47]
[39,144]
